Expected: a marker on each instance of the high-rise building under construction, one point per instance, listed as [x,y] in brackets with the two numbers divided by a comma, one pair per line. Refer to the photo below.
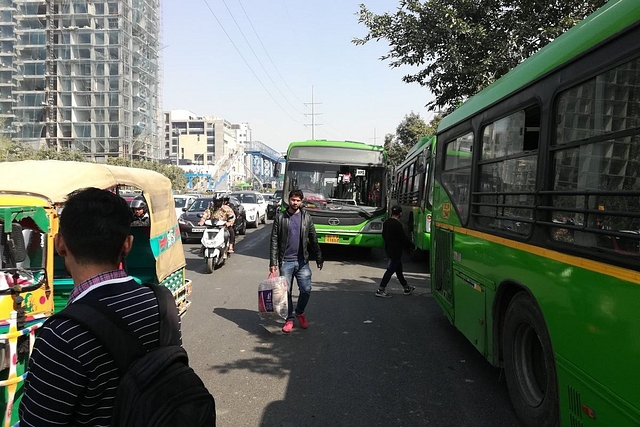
[82,75]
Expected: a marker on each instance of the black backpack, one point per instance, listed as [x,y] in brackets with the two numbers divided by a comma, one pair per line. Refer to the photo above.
[157,388]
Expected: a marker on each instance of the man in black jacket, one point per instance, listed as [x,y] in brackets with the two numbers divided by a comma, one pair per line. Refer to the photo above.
[394,242]
[292,232]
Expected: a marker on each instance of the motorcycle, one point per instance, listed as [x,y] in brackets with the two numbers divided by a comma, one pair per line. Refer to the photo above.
[215,243]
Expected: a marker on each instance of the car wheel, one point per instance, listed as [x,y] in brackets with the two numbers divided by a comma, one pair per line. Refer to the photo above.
[256,223]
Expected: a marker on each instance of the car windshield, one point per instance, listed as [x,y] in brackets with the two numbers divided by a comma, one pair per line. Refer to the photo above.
[180,203]
[199,205]
[246,198]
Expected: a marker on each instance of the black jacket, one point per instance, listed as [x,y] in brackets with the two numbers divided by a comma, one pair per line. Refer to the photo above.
[280,235]
[394,238]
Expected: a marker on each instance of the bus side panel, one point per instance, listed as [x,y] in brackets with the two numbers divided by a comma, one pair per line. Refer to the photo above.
[590,312]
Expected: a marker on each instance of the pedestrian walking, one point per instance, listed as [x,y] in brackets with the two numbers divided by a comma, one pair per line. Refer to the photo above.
[72,378]
[292,234]
[395,240]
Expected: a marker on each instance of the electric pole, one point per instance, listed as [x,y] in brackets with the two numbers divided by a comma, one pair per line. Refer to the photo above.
[375,138]
[313,115]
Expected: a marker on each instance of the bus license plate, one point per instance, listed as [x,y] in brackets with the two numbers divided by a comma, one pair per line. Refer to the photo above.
[331,238]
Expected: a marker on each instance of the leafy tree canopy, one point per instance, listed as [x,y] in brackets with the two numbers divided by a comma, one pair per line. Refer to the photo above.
[462,46]
[410,130]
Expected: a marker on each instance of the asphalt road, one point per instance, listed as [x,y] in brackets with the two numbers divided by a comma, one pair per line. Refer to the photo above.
[364,361]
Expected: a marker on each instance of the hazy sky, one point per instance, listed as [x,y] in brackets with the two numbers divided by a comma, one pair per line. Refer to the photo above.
[300,44]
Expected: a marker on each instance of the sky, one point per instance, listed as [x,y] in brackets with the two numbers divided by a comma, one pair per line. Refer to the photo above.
[259,61]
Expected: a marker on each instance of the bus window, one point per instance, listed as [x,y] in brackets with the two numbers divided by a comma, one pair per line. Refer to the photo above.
[508,172]
[456,177]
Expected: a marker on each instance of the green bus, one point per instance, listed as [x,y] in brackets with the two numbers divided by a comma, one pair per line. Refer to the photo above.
[411,186]
[536,236]
[344,186]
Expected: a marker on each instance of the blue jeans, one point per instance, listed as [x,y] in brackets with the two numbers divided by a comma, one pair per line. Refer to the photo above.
[301,271]
[394,266]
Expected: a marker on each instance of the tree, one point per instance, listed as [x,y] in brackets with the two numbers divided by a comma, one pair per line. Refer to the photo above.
[410,130]
[462,45]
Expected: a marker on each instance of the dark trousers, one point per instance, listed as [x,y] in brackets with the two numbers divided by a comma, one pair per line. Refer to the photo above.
[232,235]
[394,266]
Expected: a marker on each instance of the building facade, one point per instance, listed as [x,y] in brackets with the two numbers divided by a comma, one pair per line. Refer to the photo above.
[81,75]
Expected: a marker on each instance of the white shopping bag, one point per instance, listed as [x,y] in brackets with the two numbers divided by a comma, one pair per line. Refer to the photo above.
[272,297]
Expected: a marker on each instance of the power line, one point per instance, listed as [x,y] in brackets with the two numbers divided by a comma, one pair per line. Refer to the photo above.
[247,64]
[268,56]
[254,54]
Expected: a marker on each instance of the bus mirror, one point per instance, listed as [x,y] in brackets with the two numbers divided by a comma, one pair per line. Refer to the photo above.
[277,168]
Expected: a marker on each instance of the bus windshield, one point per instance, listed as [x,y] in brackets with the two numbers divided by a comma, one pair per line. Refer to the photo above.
[337,187]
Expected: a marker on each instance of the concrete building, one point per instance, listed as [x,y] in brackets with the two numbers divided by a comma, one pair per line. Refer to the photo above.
[81,75]
[206,146]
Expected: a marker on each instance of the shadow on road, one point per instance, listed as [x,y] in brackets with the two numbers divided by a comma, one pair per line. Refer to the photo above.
[367,361]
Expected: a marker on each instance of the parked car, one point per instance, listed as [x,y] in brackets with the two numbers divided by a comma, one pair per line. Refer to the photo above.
[182,202]
[188,221]
[254,205]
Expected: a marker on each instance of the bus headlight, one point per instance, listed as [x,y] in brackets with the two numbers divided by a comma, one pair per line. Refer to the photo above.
[374,226]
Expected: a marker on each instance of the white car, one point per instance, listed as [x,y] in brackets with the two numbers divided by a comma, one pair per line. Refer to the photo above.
[182,202]
[255,207]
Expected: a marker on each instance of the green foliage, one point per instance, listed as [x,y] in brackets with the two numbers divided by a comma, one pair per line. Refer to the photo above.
[408,133]
[462,46]
[410,130]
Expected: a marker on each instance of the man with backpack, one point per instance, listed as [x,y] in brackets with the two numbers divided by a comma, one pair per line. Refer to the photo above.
[88,364]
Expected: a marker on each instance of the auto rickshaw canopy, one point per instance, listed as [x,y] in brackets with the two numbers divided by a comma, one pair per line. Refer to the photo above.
[54,180]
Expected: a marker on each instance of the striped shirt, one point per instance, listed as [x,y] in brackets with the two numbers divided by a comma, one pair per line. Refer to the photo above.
[72,380]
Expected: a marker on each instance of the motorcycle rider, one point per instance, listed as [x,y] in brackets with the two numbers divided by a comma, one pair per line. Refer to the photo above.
[232,232]
[219,210]
[140,212]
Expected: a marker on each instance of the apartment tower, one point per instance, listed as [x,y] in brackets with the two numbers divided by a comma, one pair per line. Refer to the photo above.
[81,75]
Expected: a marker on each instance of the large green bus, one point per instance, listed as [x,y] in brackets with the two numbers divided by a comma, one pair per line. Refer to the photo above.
[536,237]
[411,186]
[344,186]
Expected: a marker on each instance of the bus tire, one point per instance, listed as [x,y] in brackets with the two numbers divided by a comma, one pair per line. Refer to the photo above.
[529,364]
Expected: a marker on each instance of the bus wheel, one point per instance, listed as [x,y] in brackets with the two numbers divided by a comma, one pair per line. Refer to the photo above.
[529,364]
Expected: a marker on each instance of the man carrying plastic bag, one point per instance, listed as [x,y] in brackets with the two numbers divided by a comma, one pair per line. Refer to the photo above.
[292,232]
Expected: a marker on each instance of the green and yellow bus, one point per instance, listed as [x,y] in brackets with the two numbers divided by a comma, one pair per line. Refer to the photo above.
[536,237]
[344,186]
[411,186]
